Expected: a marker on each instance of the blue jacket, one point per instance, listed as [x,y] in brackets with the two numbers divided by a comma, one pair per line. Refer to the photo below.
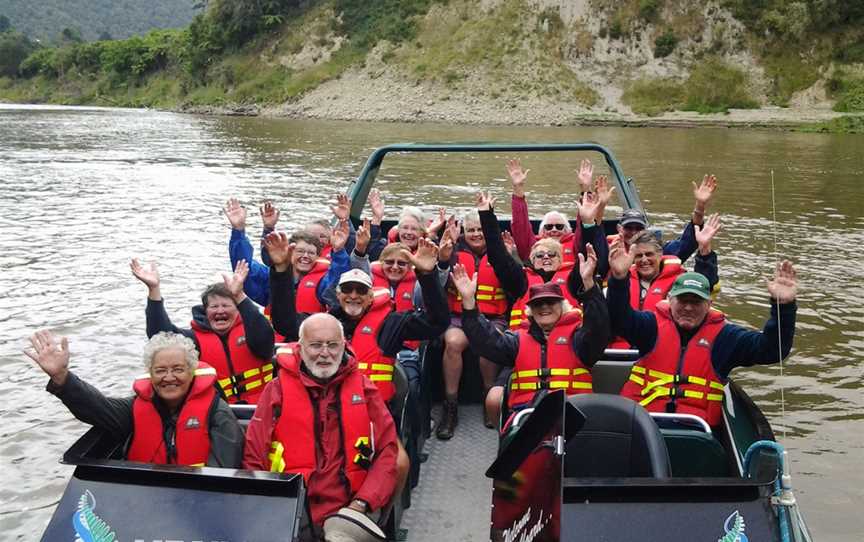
[735,346]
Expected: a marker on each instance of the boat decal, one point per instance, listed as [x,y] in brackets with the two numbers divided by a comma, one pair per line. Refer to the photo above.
[522,532]
[88,526]
[734,527]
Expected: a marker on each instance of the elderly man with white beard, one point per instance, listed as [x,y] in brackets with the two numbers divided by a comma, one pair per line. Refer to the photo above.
[321,418]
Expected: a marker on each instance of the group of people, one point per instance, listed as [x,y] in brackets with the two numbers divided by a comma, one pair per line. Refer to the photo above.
[315,333]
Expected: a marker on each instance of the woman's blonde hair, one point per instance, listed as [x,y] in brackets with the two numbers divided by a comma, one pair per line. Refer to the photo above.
[547,244]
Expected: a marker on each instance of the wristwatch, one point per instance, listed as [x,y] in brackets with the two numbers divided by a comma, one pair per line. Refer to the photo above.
[362,504]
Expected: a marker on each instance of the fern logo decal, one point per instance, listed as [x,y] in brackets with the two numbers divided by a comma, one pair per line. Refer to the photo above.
[88,526]
[734,527]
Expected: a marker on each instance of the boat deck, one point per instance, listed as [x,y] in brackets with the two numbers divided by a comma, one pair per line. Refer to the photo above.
[453,498]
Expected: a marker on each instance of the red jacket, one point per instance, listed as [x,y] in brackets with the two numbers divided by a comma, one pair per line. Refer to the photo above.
[328,491]
[517,313]
[523,233]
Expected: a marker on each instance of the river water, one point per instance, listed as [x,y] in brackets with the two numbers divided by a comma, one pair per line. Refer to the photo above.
[84,190]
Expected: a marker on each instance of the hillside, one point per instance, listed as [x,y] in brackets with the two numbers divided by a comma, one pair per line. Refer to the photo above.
[485,61]
[45,19]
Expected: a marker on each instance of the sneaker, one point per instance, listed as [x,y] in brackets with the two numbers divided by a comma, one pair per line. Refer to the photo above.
[448,421]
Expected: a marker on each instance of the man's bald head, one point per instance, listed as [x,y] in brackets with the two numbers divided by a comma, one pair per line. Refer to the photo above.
[322,345]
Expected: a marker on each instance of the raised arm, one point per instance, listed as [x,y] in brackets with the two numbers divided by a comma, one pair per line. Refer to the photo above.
[638,327]
[239,248]
[509,272]
[520,224]
[269,218]
[706,259]
[283,311]
[156,316]
[258,331]
[591,339]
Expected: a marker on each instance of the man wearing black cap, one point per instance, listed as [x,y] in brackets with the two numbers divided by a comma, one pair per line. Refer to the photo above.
[555,347]
[687,348]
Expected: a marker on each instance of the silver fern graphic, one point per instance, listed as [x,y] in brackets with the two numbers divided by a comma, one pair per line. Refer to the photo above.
[734,526]
[88,526]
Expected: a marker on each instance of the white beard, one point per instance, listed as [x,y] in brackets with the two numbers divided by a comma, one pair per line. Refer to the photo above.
[352,309]
[323,373]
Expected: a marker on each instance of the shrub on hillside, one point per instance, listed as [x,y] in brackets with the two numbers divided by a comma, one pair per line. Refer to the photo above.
[715,86]
[14,48]
[665,44]
[654,96]
[849,93]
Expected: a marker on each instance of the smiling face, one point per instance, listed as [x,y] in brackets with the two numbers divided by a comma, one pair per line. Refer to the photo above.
[646,260]
[354,298]
[689,310]
[322,345]
[474,236]
[547,312]
[304,256]
[395,268]
[545,257]
[171,376]
[409,231]
[554,226]
[221,313]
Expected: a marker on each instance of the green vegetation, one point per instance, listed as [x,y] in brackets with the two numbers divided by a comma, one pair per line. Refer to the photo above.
[14,48]
[846,124]
[848,90]
[665,44]
[715,87]
[653,97]
[46,19]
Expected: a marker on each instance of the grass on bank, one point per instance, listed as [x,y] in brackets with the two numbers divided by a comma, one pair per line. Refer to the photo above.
[847,124]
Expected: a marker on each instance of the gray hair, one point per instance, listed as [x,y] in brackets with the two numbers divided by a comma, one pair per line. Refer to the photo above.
[315,317]
[164,341]
[471,216]
[555,214]
[409,211]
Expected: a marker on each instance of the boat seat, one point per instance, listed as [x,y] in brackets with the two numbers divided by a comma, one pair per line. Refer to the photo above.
[695,454]
[619,439]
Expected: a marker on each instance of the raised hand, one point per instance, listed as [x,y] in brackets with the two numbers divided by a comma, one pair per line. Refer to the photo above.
[342,208]
[269,215]
[784,287]
[604,194]
[587,266]
[467,286]
[362,237]
[484,201]
[236,214]
[620,259]
[518,176]
[280,250]
[509,243]
[706,232]
[702,194]
[437,223]
[53,358]
[445,247]
[339,236]
[234,282]
[376,202]
[586,174]
[148,275]
[425,258]
[589,207]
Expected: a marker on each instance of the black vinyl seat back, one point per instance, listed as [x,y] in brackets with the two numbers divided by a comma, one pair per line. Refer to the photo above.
[619,439]
[400,397]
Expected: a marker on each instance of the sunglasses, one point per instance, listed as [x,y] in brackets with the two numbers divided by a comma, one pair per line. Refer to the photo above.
[352,287]
[544,255]
[391,263]
[550,227]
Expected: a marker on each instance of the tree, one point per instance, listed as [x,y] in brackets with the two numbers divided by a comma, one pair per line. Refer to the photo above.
[14,48]
[5,25]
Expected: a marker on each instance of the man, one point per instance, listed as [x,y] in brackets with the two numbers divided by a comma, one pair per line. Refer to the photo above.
[687,348]
[232,335]
[323,419]
[554,348]
[320,241]
[175,417]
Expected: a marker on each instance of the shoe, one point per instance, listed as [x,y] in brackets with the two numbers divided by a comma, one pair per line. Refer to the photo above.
[487,421]
[448,421]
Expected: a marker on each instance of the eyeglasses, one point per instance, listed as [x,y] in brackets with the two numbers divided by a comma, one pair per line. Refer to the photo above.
[640,255]
[162,372]
[391,263]
[544,255]
[550,227]
[317,347]
[305,252]
[351,287]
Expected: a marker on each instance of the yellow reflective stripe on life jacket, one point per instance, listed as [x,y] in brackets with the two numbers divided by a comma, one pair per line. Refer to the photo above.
[553,384]
[497,293]
[284,350]
[198,465]
[277,463]
[537,372]
[380,378]
[376,366]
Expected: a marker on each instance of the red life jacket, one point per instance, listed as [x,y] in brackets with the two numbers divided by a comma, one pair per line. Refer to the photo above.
[277,337]
[292,448]
[556,366]
[491,299]
[689,376]
[568,255]
[192,433]
[517,313]
[402,298]
[306,297]
[670,268]
[364,343]
[325,252]
[241,374]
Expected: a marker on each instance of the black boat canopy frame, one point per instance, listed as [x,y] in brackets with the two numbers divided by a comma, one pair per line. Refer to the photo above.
[359,189]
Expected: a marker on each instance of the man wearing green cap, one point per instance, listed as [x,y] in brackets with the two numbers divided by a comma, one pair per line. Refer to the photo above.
[686,348]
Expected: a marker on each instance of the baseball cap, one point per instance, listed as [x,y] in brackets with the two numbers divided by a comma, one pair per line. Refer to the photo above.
[550,290]
[691,283]
[633,216]
[356,275]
